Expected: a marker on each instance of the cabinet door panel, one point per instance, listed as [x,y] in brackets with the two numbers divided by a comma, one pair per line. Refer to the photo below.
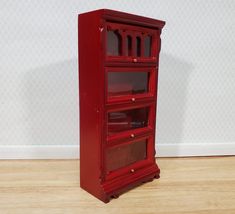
[130,84]
[127,83]
[125,120]
[122,156]
[128,43]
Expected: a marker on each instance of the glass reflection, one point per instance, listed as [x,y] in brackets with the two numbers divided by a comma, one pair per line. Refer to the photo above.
[120,121]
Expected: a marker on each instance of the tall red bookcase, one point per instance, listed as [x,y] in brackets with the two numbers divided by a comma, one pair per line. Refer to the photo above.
[118,71]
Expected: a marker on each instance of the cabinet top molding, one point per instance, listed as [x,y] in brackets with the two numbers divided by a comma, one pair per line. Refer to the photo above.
[113,15]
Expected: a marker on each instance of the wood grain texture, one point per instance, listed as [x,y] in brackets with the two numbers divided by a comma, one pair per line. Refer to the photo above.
[187,185]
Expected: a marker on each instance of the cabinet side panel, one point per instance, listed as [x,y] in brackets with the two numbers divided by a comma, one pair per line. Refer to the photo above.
[91,101]
[157,76]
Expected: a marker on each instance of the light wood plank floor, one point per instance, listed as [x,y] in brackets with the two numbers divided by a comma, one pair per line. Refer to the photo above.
[187,185]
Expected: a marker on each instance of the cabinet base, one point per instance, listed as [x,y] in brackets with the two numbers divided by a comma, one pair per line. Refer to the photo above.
[114,188]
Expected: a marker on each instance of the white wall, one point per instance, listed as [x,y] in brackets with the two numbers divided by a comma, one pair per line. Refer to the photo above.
[39,86]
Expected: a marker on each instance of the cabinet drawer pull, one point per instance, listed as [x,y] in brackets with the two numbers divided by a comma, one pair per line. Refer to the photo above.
[132,170]
[134,60]
[132,135]
[133,99]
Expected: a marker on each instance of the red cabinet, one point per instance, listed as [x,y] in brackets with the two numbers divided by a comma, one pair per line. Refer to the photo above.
[118,70]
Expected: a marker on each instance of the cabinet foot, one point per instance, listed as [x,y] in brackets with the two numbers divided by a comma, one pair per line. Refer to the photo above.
[157,176]
[115,196]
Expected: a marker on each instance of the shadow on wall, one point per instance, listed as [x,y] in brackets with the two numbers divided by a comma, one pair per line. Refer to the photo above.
[174,76]
[51,99]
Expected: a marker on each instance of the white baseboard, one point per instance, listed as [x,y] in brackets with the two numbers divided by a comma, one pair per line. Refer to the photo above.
[72,151]
[195,149]
[39,152]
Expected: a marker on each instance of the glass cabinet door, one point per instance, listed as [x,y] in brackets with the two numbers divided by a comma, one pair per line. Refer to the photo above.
[130,83]
[126,120]
[127,83]
[124,155]
[131,43]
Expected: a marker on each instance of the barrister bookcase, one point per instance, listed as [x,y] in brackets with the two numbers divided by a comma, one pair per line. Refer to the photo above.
[118,72]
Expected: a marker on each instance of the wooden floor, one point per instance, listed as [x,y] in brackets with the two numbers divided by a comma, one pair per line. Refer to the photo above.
[187,185]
